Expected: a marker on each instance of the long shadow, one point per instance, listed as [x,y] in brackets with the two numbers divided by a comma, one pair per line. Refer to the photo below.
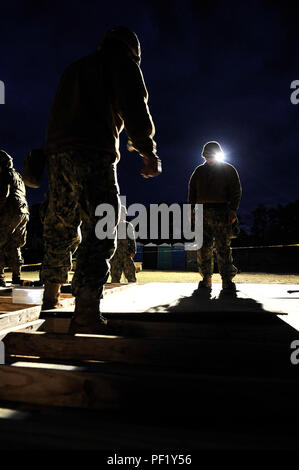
[250,340]
[203,306]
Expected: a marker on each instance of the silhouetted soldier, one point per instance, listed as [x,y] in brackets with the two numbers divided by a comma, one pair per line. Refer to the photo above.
[122,261]
[96,97]
[14,215]
[216,185]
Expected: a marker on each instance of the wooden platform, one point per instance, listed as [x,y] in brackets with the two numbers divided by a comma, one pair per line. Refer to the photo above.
[17,316]
[205,374]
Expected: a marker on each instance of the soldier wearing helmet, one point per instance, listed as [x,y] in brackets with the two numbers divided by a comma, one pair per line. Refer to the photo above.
[97,96]
[216,185]
[14,215]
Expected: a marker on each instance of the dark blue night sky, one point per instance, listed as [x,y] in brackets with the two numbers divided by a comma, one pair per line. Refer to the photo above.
[218,70]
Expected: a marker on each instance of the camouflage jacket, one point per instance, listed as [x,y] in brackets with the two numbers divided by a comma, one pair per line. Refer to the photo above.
[97,96]
[12,193]
[217,183]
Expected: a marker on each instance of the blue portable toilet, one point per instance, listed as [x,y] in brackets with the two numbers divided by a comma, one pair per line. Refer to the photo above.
[164,257]
[191,257]
[150,256]
[178,257]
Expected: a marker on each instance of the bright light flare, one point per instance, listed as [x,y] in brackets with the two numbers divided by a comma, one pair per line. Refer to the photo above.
[219,156]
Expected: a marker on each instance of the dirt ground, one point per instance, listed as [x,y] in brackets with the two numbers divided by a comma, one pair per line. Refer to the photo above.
[144,277]
[251,278]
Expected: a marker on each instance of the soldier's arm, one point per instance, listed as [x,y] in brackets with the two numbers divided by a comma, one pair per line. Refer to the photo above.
[132,103]
[235,190]
[192,192]
[132,247]
[4,192]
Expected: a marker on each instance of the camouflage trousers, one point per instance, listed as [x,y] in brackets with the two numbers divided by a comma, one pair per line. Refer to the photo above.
[122,263]
[78,182]
[12,237]
[217,234]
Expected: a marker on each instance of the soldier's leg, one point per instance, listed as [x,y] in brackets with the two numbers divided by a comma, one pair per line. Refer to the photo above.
[97,174]
[226,267]
[116,269]
[2,266]
[13,248]
[61,222]
[129,269]
[205,258]
[12,237]
[2,275]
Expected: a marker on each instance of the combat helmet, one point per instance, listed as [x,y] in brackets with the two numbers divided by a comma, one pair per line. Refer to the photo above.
[126,37]
[5,160]
[210,149]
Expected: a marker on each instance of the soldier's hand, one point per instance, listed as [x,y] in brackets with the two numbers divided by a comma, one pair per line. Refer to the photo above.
[232,217]
[132,255]
[152,166]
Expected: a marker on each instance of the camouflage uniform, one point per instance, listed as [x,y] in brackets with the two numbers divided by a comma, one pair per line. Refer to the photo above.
[217,233]
[97,97]
[218,188]
[77,185]
[14,215]
[122,261]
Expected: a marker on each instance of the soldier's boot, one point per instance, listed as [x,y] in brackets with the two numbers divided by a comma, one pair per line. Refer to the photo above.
[206,282]
[51,296]
[16,274]
[87,317]
[228,285]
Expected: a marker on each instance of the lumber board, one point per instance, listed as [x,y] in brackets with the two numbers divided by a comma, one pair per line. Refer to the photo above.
[24,327]
[241,356]
[147,391]
[60,322]
[241,319]
[66,300]
[28,327]
[6,306]
[202,316]
[143,328]
[113,288]
[56,325]
[18,314]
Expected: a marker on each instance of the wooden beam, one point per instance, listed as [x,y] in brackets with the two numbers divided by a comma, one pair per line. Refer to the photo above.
[217,355]
[113,288]
[24,327]
[143,390]
[6,306]
[143,328]
[66,300]
[277,332]
[17,314]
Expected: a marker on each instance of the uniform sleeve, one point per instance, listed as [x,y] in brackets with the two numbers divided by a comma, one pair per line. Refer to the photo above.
[132,103]
[235,190]
[192,189]
[4,191]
